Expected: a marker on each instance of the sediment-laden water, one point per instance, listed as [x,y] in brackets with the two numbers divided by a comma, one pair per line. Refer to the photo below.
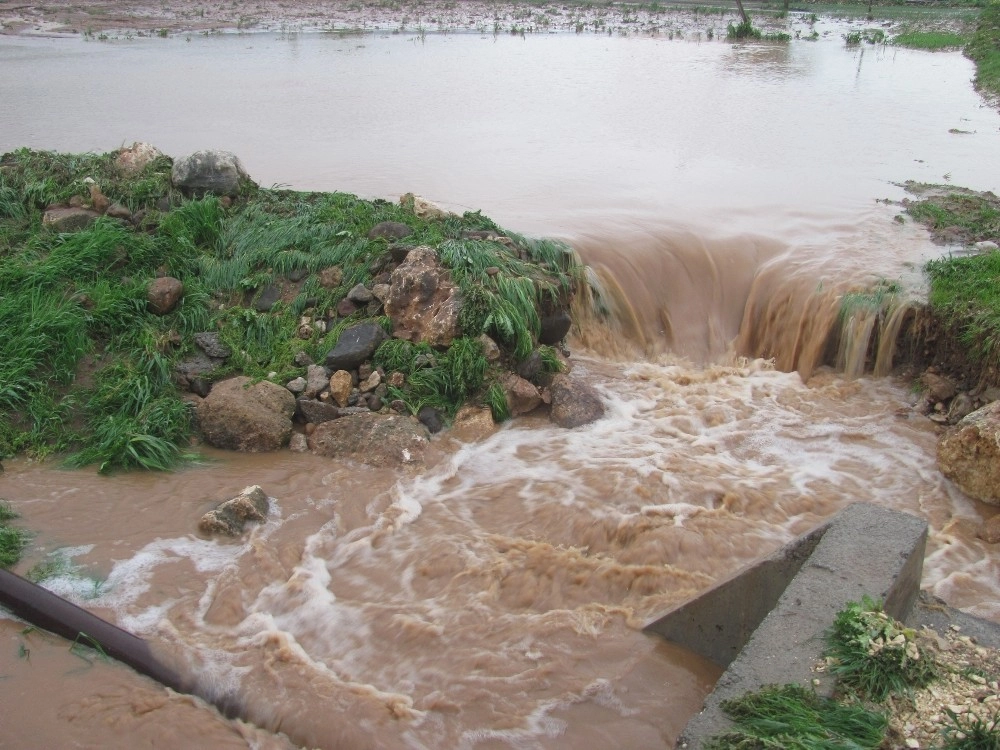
[725,197]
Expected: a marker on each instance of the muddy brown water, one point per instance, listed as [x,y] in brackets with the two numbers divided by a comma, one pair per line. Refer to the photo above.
[725,198]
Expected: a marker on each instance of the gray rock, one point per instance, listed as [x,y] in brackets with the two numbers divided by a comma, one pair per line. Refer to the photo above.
[216,172]
[228,519]
[211,343]
[316,380]
[67,219]
[960,407]
[267,299]
[298,443]
[389,230]
[302,359]
[317,412]
[360,295]
[355,345]
[431,419]
[298,385]
[554,327]
[574,403]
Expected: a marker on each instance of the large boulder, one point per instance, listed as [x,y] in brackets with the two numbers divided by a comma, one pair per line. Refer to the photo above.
[133,159]
[970,454]
[374,439]
[245,416]
[423,300]
[355,346]
[522,396]
[216,172]
[228,518]
[574,403]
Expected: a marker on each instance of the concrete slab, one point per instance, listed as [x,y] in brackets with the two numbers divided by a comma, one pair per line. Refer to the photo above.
[864,550]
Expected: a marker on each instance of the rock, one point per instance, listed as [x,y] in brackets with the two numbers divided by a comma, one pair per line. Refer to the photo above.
[189,373]
[163,294]
[118,211]
[211,343]
[389,230]
[298,443]
[211,171]
[98,200]
[423,208]
[397,379]
[346,308]
[360,295]
[68,219]
[554,327]
[267,299]
[317,412]
[316,380]
[969,455]
[490,349]
[473,423]
[574,403]
[431,419]
[937,387]
[985,246]
[530,367]
[302,359]
[398,253]
[331,278]
[135,158]
[296,386]
[371,382]
[989,530]
[423,301]
[355,345]
[341,384]
[374,439]
[242,415]
[961,406]
[522,396]
[251,504]
[381,292]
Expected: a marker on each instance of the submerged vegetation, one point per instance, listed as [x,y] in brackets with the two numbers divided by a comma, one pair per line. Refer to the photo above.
[12,539]
[86,367]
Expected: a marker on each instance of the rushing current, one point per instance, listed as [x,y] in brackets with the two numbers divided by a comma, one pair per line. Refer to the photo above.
[725,197]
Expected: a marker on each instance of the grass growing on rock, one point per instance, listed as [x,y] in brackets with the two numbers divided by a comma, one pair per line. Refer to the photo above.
[87,369]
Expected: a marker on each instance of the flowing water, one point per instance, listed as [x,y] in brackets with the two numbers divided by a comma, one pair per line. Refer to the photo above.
[725,197]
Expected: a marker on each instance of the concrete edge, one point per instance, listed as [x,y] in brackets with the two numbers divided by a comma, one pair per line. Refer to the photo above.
[865,550]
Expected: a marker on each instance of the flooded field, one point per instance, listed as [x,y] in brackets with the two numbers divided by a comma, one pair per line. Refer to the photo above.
[726,192]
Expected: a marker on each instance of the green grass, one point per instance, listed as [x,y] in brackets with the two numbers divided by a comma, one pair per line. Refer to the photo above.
[791,717]
[930,40]
[965,295]
[972,732]
[984,50]
[873,656]
[86,369]
[12,539]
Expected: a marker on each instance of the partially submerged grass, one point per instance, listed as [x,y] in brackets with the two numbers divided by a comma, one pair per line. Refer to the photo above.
[12,539]
[930,40]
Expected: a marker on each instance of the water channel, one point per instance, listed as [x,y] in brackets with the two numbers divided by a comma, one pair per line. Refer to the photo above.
[727,193]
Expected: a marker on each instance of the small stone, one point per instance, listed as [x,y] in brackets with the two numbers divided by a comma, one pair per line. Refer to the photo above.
[296,386]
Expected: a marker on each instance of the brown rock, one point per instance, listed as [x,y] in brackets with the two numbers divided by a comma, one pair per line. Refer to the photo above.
[937,387]
[522,396]
[251,504]
[98,200]
[135,158]
[341,384]
[331,278]
[473,423]
[970,454]
[423,301]
[163,294]
[242,415]
[374,439]
[118,211]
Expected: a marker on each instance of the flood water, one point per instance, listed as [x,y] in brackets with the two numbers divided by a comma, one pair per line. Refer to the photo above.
[725,196]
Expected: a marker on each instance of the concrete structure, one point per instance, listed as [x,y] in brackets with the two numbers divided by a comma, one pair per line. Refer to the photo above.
[767,624]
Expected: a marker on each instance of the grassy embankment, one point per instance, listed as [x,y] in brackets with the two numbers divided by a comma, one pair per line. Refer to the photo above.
[86,370]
